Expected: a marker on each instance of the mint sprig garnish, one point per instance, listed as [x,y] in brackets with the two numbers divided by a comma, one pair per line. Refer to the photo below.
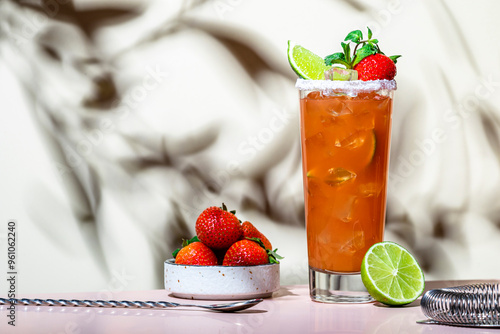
[336,58]
[363,48]
[355,36]
[366,50]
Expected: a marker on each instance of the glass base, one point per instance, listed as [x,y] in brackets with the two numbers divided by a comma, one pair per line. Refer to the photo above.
[337,288]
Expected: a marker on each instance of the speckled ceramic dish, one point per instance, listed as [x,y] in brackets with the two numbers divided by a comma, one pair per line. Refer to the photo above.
[219,282]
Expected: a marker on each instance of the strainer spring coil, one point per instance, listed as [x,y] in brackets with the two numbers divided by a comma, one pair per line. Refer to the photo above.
[475,304]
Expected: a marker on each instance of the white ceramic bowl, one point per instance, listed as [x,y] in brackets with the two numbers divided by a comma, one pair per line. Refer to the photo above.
[220,282]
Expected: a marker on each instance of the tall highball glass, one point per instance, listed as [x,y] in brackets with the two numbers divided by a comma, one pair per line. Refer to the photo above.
[345,137]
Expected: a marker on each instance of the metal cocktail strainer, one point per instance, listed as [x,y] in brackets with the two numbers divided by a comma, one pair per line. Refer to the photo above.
[475,305]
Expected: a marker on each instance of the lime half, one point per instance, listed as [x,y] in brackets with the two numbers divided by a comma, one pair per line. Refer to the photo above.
[391,274]
[305,63]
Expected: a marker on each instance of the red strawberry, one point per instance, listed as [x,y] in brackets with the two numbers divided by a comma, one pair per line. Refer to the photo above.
[218,228]
[245,253]
[250,231]
[197,254]
[376,67]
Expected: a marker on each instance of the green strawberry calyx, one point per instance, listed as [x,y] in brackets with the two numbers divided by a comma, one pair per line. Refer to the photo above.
[363,48]
[273,256]
[184,244]
[224,207]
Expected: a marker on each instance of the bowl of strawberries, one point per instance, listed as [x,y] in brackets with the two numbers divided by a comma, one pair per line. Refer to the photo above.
[227,259]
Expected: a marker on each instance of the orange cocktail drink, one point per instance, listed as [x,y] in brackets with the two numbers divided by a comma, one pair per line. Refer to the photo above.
[345,133]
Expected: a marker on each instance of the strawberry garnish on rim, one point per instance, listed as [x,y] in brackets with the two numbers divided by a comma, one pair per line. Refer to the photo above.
[367,58]
[376,67]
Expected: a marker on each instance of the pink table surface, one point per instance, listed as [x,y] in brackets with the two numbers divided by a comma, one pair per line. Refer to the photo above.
[289,311]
